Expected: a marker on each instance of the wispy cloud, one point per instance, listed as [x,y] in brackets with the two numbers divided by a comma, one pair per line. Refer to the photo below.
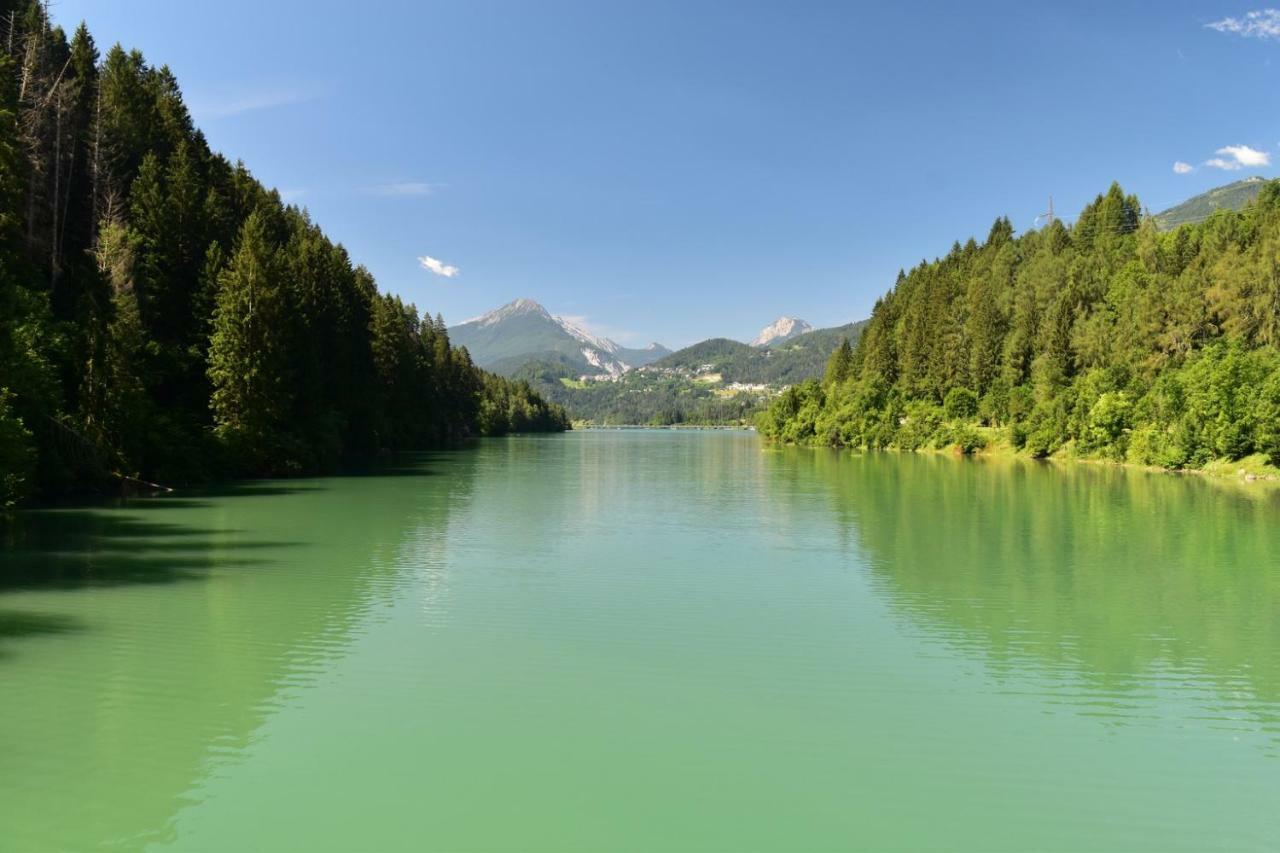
[1261,24]
[291,195]
[266,97]
[1235,157]
[438,267]
[404,188]
[1182,168]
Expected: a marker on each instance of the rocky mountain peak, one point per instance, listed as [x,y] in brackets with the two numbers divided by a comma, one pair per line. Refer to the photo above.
[781,329]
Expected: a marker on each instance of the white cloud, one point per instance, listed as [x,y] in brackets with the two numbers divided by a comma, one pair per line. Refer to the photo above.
[291,195]
[1246,155]
[1182,168]
[1236,157]
[405,188]
[432,265]
[1262,24]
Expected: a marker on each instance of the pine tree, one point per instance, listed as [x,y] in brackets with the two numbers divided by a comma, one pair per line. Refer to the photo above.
[840,365]
[247,358]
[153,294]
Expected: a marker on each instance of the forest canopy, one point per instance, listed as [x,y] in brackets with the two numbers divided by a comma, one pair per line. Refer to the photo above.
[165,317]
[1106,338]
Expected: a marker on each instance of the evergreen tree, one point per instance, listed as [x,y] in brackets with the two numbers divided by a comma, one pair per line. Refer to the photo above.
[248,363]
[1107,336]
[163,316]
[840,365]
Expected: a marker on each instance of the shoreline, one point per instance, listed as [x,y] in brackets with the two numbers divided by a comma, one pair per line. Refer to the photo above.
[1251,472]
[586,427]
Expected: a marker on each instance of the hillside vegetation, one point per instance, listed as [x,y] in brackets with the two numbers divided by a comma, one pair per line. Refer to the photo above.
[165,317]
[1233,196]
[1108,338]
[794,360]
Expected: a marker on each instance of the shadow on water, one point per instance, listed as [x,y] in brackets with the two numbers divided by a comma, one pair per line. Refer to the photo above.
[161,687]
[417,463]
[75,548]
[205,495]
[76,545]
[17,624]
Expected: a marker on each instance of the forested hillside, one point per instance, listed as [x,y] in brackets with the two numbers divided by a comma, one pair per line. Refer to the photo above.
[644,397]
[165,317]
[789,361]
[1106,338]
[1233,196]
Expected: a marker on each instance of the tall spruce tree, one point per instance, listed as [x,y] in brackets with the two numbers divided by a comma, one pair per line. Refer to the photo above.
[248,364]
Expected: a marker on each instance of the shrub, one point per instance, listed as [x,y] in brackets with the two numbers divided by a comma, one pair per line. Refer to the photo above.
[960,404]
[922,422]
[1018,435]
[967,440]
[1106,431]
[1042,442]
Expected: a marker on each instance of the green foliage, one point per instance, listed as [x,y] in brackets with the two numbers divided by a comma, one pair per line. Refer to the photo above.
[164,316]
[249,363]
[645,396]
[790,362]
[923,421]
[1233,196]
[1266,416]
[513,406]
[960,404]
[840,365]
[17,456]
[1107,336]
[1109,422]
[966,439]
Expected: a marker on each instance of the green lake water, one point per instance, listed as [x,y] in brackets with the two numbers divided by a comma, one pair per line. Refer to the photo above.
[648,641]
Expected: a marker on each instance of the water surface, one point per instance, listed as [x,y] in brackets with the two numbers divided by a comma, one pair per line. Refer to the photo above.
[648,640]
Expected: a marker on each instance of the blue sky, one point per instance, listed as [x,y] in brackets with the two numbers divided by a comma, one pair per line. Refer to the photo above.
[678,170]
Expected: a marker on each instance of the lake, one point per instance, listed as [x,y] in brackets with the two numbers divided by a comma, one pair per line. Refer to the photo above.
[648,640]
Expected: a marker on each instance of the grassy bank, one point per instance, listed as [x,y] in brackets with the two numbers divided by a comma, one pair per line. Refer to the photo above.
[1253,470]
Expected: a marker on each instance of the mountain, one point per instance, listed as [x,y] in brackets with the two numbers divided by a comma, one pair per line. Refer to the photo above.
[708,355]
[641,357]
[781,329]
[715,381]
[1233,196]
[783,362]
[507,338]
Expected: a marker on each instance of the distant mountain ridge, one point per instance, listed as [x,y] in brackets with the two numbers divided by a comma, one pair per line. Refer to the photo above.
[1233,196]
[714,381]
[506,338]
[786,361]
